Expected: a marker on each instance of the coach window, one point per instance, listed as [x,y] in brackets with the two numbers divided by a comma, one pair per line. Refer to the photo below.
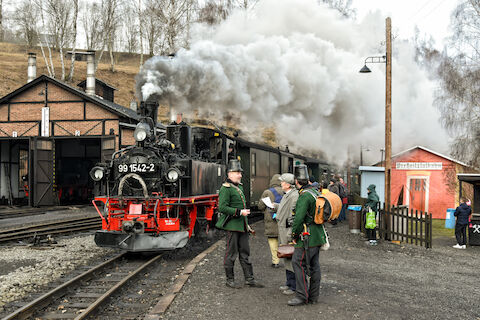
[254,164]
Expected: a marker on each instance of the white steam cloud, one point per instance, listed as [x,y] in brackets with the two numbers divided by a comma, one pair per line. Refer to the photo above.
[294,65]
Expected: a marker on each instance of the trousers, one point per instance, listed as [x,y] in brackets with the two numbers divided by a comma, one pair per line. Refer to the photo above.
[307,290]
[273,244]
[291,281]
[461,234]
[371,234]
[237,245]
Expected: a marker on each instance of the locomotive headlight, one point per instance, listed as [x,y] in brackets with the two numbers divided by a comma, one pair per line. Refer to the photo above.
[142,131]
[172,175]
[97,173]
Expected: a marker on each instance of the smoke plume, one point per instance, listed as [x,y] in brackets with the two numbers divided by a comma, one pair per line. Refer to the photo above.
[293,65]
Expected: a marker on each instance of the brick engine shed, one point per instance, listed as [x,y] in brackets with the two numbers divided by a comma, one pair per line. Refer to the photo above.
[51,135]
[426,180]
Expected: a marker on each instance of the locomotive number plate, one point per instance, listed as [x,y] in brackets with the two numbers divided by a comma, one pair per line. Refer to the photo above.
[137,167]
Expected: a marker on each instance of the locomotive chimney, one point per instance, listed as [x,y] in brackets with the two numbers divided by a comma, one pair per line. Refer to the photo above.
[32,67]
[149,109]
[90,88]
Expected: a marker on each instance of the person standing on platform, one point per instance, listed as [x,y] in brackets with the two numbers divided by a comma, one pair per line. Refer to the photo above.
[285,218]
[333,187]
[342,188]
[308,237]
[462,212]
[372,202]
[274,193]
[232,207]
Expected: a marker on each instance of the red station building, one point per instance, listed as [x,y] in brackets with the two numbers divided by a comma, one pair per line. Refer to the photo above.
[426,180]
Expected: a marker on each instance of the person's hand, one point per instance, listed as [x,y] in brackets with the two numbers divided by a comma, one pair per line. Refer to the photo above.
[294,241]
[245,212]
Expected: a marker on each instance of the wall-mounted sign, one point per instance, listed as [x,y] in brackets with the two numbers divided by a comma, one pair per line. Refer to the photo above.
[419,166]
[77,133]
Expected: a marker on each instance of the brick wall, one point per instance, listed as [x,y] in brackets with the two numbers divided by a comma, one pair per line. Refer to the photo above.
[127,137]
[26,112]
[96,112]
[62,111]
[36,93]
[26,129]
[3,112]
[55,93]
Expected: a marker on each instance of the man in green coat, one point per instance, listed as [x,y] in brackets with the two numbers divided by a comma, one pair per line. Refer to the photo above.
[232,207]
[308,237]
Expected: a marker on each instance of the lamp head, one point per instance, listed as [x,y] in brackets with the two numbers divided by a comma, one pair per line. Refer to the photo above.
[365,69]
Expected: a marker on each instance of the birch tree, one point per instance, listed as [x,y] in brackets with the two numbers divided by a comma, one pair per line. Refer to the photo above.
[459,71]
[25,17]
[74,41]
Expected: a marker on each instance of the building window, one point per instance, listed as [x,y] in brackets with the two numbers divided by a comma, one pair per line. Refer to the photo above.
[254,164]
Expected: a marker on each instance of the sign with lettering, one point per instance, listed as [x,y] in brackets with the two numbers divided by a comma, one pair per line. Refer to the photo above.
[45,132]
[419,166]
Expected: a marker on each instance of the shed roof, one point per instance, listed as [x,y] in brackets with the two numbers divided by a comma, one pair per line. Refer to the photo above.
[433,152]
[108,105]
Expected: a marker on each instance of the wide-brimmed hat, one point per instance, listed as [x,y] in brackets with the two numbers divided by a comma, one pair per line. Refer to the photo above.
[234,166]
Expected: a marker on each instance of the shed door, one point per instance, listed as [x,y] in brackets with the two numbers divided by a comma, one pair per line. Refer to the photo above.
[108,148]
[417,194]
[42,166]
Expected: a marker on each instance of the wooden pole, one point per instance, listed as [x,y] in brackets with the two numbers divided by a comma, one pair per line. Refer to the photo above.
[388,112]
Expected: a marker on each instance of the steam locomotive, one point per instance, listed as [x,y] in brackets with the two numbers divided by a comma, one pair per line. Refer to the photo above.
[162,191]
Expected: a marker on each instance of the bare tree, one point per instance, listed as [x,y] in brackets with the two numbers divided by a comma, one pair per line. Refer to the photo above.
[109,26]
[91,22]
[25,17]
[140,30]
[174,16]
[152,27]
[459,71]
[213,12]
[74,41]
[44,39]
[342,6]
[130,27]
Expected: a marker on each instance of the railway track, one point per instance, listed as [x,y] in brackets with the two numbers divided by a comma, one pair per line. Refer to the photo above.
[50,228]
[19,212]
[80,297]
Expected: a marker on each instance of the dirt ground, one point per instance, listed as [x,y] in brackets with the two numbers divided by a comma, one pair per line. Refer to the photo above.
[388,281]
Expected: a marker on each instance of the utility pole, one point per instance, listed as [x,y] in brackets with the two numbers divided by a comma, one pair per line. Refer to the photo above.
[388,113]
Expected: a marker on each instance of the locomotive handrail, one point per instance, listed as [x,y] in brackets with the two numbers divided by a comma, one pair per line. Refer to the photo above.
[101,215]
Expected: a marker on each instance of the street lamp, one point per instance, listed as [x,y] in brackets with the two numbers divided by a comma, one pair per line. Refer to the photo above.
[387,59]
[361,153]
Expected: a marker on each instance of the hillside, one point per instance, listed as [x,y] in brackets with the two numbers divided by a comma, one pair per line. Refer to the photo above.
[13,71]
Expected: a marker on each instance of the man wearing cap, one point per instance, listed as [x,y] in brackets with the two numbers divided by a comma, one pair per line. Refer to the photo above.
[233,212]
[284,219]
[308,238]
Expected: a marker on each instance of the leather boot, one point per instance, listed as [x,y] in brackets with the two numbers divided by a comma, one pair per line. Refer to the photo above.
[230,278]
[253,283]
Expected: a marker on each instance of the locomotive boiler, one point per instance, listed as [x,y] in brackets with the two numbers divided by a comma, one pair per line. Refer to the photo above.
[157,194]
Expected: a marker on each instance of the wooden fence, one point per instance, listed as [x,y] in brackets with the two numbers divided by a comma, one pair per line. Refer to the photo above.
[402,224]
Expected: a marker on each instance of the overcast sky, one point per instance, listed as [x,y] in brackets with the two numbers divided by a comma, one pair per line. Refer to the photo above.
[431,16]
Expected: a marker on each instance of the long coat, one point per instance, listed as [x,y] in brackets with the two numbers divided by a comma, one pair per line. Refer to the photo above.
[284,212]
[231,200]
[271,229]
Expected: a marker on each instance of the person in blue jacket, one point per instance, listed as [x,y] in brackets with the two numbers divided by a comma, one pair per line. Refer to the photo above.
[462,212]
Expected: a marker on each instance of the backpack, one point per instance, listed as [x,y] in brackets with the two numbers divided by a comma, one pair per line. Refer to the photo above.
[342,191]
[327,206]
[278,196]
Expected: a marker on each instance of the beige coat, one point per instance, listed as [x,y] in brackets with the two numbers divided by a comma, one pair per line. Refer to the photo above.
[284,211]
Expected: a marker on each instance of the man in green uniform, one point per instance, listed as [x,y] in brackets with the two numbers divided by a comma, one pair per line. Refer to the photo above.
[308,237]
[232,207]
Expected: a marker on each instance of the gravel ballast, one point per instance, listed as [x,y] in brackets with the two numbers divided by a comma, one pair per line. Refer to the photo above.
[387,281]
[26,269]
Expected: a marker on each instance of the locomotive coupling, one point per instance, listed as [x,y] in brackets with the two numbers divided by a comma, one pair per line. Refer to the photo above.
[133,226]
